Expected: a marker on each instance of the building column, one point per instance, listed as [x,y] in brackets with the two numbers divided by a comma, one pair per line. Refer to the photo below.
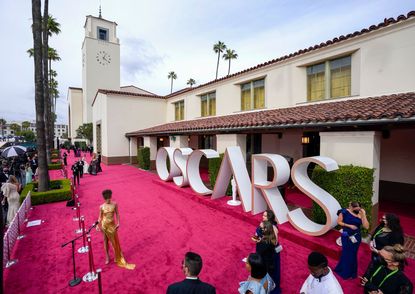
[133,146]
[228,140]
[356,148]
[179,141]
[151,142]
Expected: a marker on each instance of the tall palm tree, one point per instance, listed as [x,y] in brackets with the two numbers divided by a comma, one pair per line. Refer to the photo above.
[172,75]
[2,125]
[25,125]
[229,55]
[191,82]
[39,97]
[50,27]
[219,47]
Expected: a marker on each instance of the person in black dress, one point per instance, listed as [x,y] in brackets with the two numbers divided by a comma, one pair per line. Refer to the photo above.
[65,158]
[389,232]
[191,266]
[388,277]
[265,247]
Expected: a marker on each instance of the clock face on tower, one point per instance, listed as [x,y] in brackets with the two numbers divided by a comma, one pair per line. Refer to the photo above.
[103,58]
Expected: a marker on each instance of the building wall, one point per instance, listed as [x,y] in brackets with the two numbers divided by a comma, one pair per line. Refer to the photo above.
[100,115]
[127,114]
[397,159]
[382,63]
[75,111]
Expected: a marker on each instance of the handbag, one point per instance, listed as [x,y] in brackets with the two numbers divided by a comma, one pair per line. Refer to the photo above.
[278,249]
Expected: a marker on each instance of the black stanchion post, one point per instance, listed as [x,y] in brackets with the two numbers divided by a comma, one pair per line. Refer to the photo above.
[99,281]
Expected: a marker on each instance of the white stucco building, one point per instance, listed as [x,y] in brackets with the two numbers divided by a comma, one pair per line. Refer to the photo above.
[351,98]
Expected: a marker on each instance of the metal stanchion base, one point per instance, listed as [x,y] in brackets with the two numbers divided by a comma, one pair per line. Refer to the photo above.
[11,262]
[83,249]
[75,282]
[90,277]
[20,237]
[75,219]
[78,231]
[234,202]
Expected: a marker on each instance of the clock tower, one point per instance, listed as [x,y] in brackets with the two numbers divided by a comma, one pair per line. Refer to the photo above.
[100,61]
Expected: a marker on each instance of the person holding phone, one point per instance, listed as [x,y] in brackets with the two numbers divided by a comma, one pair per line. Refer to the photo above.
[351,219]
[388,277]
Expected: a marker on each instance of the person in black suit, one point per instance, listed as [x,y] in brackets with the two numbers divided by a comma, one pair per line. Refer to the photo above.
[192,265]
[76,173]
[99,169]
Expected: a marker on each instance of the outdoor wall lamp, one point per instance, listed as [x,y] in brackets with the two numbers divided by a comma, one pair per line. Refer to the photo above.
[305,140]
[161,139]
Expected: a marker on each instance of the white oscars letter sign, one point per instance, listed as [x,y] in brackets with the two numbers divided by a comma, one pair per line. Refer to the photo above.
[180,156]
[327,202]
[193,172]
[161,164]
[271,196]
[233,163]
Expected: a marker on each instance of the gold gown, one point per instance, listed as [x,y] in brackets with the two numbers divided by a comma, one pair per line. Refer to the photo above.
[109,228]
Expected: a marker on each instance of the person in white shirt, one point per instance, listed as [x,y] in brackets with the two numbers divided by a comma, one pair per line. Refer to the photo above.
[321,279]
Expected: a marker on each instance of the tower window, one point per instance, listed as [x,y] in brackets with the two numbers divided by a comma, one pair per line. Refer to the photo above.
[103,34]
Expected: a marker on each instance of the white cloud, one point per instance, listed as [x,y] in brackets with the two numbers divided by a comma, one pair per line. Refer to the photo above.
[163,35]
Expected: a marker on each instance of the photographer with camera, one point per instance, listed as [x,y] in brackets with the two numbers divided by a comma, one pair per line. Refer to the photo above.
[388,276]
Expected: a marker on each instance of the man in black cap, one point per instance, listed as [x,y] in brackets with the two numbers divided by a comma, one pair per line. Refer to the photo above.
[321,279]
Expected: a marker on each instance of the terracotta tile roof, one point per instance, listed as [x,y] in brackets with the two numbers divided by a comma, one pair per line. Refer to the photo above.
[372,110]
[385,23]
[124,93]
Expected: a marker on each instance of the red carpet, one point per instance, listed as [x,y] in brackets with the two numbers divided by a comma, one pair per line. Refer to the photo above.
[159,223]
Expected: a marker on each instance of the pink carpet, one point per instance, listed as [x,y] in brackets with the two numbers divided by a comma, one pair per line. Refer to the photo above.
[159,223]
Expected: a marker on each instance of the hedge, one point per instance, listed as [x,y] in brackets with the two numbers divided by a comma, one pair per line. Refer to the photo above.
[348,183]
[214,166]
[143,157]
[80,144]
[61,191]
[54,166]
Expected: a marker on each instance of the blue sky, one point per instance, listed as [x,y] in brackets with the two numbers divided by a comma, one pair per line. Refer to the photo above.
[159,36]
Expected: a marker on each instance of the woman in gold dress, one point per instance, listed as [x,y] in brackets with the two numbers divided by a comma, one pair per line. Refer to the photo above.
[110,230]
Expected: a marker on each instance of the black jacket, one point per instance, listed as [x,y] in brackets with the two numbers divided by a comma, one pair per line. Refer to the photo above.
[188,286]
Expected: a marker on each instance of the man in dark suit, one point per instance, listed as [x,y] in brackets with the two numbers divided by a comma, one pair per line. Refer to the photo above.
[192,265]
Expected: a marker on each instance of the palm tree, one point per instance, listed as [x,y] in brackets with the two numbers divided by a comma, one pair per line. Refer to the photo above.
[25,125]
[218,48]
[172,75]
[2,125]
[49,28]
[191,82]
[39,97]
[229,55]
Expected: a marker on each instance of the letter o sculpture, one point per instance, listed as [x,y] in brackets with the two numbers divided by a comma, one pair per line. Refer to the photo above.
[161,164]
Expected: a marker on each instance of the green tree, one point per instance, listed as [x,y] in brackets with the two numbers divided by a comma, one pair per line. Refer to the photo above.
[3,123]
[191,82]
[28,135]
[229,55]
[25,125]
[85,132]
[219,47]
[172,76]
[16,128]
